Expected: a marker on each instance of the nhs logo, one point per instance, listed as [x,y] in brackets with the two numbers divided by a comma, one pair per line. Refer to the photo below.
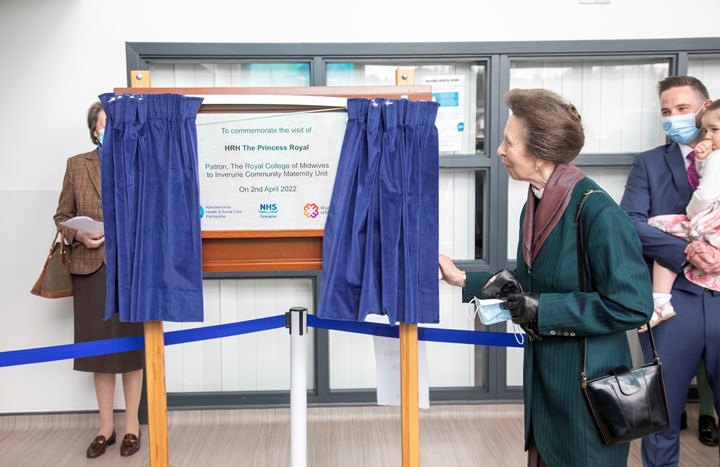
[268,211]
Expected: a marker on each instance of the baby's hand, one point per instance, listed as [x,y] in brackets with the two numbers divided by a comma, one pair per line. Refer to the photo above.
[703,149]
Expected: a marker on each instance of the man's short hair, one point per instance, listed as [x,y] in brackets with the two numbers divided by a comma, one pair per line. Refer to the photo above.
[678,81]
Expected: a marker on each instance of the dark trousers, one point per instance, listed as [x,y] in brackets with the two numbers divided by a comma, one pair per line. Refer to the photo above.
[682,342]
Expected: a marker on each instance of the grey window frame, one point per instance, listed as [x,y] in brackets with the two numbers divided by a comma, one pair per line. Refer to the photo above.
[498,57]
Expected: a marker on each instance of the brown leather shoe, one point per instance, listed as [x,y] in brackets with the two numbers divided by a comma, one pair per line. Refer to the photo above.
[98,446]
[130,444]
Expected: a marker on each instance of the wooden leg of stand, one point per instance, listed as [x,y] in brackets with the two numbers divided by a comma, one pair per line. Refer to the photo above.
[409,359]
[409,395]
[156,396]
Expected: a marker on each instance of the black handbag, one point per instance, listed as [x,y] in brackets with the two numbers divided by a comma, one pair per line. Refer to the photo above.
[55,280]
[627,403]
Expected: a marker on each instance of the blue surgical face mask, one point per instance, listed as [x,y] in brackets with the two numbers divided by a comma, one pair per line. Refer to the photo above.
[489,311]
[101,135]
[681,128]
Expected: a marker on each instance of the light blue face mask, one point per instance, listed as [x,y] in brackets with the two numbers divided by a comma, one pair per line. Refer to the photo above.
[101,135]
[681,128]
[489,312]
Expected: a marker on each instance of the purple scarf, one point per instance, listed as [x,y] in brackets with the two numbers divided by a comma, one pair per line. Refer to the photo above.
[541,218]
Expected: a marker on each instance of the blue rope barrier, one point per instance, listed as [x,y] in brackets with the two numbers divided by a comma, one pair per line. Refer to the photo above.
[358,327]
[63,352]
[455,336]
[224,330]
[125,344]
[452,336]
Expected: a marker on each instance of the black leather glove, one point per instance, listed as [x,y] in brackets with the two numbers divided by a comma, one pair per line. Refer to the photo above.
[501,284]
[523,310]
[531,329]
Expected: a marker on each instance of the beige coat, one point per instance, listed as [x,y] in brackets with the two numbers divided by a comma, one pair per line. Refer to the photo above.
[80,196]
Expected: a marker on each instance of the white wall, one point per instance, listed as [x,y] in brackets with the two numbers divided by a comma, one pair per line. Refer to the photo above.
[57,56]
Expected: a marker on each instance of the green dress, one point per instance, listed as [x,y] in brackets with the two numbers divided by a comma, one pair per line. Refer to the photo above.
[556,413]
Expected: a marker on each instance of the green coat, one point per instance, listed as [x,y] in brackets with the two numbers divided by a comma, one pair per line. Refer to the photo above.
[556,412]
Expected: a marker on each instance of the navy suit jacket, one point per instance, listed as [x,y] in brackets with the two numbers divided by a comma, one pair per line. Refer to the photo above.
[658,184]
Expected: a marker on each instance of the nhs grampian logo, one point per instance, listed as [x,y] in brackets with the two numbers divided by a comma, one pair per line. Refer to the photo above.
[268,211]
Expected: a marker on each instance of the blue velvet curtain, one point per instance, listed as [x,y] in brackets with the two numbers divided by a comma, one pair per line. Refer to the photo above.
[380,245]
[151,207]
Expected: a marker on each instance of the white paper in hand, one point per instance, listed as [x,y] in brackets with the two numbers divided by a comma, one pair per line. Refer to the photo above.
[85,224]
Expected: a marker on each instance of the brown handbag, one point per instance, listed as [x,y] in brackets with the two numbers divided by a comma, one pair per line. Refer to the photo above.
[55,280]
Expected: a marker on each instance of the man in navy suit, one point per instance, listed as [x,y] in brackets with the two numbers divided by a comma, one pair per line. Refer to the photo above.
[658,184]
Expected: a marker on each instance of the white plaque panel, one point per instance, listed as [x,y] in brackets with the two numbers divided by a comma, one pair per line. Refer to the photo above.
[268,171]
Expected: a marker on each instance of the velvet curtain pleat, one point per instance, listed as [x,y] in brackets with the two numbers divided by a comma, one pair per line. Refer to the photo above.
[151,205]
[380,244]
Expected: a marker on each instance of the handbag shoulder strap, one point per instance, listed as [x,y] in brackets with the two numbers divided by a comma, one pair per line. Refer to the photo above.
[580,239]
[583,282]
[59,235]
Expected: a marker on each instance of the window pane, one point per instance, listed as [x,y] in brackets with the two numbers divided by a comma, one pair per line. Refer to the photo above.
[618,100]
[247,362]
[514,357]
[456,365]
[707,70]
[462,213]
[352,356]
[611,179]
[458,87]
[229,74]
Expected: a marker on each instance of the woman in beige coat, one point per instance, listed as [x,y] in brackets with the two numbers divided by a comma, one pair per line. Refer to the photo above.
[80,196]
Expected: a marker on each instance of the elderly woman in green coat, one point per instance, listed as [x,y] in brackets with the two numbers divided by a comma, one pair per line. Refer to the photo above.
[543,135]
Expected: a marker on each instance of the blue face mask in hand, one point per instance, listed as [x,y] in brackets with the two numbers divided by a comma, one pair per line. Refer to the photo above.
[681,128]
[489,311]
